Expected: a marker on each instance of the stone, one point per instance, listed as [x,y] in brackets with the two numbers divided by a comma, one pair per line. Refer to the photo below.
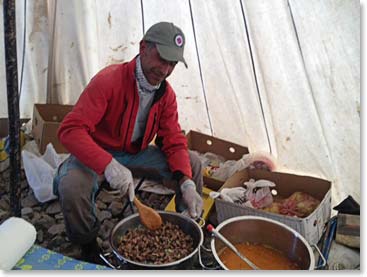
[24,184]
[114,220]
[3,215]
[102,215]
[105,197]
[106,245]
[40,236]
[54,208]
[101,205]
[55,242]
[37,209]
[45,222]
[59,216]
[70,250]
[36,217]
[109,224]
[4,204]
[115,207]
[27,212]
[99,241]
[29,201]
[104,232]
[56,229]
[5,175]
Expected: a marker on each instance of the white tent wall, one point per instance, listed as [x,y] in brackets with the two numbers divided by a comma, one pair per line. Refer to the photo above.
[277,76]
[3,94]
[228,78]
[331,52]
[300,144]
[310,120]
[186,82]
[119,31]
[74,49]
[33,80]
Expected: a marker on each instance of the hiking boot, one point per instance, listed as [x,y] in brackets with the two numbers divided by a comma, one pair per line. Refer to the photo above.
[90,253]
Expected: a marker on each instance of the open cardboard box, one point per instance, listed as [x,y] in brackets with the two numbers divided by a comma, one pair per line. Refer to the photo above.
[45,123]
[204,143]
[310,227]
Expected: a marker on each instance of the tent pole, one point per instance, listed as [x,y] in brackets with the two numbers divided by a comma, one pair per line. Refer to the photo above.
[13,104]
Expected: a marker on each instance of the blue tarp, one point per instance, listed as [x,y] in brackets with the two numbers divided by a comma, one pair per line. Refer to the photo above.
[39,258]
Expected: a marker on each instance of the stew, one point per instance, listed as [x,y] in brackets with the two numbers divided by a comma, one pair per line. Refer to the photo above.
[263,256]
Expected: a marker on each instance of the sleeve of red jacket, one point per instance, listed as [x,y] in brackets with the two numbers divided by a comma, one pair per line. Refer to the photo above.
[74,132]
[174,142]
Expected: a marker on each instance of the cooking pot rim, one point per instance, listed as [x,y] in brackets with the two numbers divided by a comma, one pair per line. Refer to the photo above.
[249,217]
[126,260]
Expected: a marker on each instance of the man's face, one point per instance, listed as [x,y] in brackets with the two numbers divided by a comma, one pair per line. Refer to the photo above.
[154,67]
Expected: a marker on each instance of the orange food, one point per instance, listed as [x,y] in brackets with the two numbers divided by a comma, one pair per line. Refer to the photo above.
[263,256]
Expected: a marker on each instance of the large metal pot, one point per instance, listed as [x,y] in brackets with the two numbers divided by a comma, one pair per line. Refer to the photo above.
[186,224]
[266,231]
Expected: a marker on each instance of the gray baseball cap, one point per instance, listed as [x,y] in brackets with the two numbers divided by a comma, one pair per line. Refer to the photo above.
[169,40]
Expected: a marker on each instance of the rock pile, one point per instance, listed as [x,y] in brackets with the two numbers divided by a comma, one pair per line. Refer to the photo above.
[49,221]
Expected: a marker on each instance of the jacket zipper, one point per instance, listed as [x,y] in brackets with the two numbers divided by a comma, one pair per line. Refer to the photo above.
[128,125]
[151,130]
[121,118]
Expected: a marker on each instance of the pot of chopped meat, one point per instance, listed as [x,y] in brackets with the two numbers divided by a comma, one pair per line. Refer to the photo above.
[174,245]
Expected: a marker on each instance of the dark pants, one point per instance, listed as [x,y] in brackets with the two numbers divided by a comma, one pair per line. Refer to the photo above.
[76,185]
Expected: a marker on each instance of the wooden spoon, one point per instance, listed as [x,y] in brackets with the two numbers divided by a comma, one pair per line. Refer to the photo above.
[149,217]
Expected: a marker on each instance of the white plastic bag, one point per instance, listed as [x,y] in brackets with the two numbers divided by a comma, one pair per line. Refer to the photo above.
[233,195]
[258,193]
[40,171]
[259,160]
[39,175]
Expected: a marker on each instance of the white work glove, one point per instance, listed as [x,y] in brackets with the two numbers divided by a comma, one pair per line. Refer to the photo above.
[120,178]
[191,198]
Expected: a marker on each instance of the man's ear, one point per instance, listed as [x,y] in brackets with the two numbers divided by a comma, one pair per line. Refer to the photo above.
[142,46]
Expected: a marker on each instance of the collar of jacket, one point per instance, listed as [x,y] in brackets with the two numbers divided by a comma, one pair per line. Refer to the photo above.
[159,93]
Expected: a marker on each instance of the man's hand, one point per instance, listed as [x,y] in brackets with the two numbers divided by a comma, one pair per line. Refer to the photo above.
[191,198]
[120,178]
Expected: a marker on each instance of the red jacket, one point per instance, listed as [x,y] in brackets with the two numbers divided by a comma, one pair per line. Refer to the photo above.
[105,114]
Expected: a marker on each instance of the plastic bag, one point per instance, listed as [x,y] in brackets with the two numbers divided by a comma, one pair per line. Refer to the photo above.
[258,193]
[257,160]
[40,172]
[226,170]
[233,195]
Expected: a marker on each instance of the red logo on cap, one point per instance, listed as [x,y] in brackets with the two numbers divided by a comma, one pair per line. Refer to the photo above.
[179,40]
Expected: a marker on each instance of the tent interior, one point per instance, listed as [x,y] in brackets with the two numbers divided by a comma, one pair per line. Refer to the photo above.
[282,77]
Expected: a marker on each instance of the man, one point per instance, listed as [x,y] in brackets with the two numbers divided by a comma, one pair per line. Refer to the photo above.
[109,130]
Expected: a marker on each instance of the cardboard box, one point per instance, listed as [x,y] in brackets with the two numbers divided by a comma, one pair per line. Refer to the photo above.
[311,227]
[205,143]
[46,121]
[4,125]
